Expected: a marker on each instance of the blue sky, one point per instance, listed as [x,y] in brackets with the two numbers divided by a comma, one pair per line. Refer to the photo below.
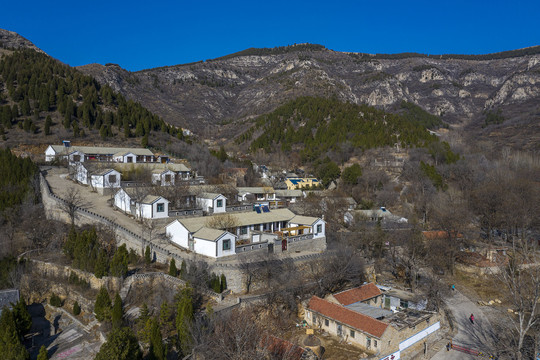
[139,35]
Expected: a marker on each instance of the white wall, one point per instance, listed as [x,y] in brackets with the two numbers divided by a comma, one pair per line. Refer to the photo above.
[82,174]
[314,229]
[231,251]
[164,213]
[50,154]
[122,201]
[205,247]
[221,209]
[178,234]
[102,181]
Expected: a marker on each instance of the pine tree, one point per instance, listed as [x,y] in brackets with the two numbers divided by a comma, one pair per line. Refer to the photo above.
[147,255]
[121,344]
[183,270]
[172,268]
[102,307]
[223,283]
[76,308]
[10,343]
[23,320]
[119,262]
[43,353]
[117,312]
[184,317]
[48,123]
[157,349]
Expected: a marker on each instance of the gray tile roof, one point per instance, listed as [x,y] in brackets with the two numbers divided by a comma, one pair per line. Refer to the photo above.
[207,233]
[7,297]
[98,150]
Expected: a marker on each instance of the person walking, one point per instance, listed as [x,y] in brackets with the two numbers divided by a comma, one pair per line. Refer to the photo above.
[472,319]
[453,287]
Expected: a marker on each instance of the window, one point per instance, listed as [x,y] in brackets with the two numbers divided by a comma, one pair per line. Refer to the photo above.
[326,322]
[226,244]
[168,178]
[319,228]
[129,159]
[374,343]
[76,158]
[219,203]
[368,342]
[352,333]
[314,319]
[161,207]
[403,304]
[243,230]
[112,179]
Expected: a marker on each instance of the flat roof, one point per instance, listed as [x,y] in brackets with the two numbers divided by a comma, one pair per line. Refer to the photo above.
[368,310]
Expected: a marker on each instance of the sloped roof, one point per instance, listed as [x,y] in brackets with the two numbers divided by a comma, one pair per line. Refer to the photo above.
[361,293]
[242,218]
[348,317]
[7,297]
[289,193]
[207,233]
[98,150]
[440,234]
[255,190]
[150,199]
[304,220]
[206,195]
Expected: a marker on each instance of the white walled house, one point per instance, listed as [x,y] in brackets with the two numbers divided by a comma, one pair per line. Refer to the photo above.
[261,229]
[149,207]
[212,203]
[152,207]
[76,154]
[165,177]
[205,241]
[106,182]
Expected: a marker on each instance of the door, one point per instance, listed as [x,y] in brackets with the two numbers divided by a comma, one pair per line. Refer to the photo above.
[284,245]
[339,330]
[270,248]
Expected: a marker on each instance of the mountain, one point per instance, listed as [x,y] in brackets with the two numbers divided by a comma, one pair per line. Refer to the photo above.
[492,96]
[12,40]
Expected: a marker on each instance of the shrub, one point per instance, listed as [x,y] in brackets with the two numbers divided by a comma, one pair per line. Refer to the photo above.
[55,300]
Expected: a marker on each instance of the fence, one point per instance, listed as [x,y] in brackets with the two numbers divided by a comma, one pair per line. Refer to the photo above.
[186,212]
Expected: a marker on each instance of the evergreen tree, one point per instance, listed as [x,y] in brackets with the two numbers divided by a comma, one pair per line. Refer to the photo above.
[76,308]
[23,320]
[55,300]
[119,262]
[184,317]
[172,268]
[147,255]
[117,312]
[183,270]
[351,174]
[43,353]
[144,141]
[102,307]
[10,343]
[48,124]
[223,283]
[157,349]
[121,344]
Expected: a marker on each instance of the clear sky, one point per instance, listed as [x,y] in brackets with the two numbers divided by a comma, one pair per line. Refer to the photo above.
[145,34]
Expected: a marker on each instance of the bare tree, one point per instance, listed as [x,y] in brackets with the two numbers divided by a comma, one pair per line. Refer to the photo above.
[521,279]
[73,201]
[223,222]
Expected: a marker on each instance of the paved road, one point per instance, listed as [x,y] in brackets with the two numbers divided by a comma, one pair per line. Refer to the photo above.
[479,336]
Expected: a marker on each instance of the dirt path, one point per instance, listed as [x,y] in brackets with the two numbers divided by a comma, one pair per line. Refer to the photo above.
[478,336]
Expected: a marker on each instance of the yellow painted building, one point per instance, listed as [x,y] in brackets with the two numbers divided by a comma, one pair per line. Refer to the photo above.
[301,183]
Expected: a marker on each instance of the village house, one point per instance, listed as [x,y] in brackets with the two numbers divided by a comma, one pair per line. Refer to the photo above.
[382,215]
[293,183]
[104,180]
[258,194]
[212,203]
[260,229]
[368,294]
[139,203]
[380,332]
[163,177]
[76,154]
[289,196]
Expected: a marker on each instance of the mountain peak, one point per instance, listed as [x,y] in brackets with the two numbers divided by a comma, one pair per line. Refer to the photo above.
[12,40]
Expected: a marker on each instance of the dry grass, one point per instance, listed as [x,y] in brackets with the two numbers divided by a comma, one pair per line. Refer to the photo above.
[482,287]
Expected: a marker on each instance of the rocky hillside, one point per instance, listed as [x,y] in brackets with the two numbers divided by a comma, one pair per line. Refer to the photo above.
[12,40]
[495,95]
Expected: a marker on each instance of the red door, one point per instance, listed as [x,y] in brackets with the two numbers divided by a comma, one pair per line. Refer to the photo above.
[284,245]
